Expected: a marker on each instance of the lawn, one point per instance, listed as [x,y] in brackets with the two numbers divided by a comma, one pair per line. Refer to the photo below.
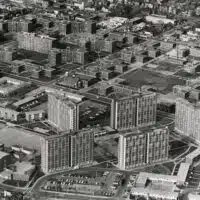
[142,77]
[166,66]
[158,169]
[169,165]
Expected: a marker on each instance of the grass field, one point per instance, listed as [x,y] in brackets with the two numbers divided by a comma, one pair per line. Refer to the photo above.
[166,66]
[158,169]
[11,136]
[142,77]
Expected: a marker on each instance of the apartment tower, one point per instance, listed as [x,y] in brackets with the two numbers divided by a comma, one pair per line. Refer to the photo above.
[139,148]
[63,110]
[59,152]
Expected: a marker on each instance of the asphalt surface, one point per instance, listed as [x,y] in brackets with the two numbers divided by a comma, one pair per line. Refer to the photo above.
[37,192]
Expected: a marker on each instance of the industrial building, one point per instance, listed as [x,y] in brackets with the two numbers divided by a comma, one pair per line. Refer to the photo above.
[59,152]
[142,147]
[54,57]
[7,55]
[63,110]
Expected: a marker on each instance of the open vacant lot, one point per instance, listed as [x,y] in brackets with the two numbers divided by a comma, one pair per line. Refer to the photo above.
[11,136]
[167,66]
[142,77]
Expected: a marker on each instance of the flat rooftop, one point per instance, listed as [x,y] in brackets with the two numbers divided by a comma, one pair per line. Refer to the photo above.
[155,185]
[142,130]
[183,172]
[143,176]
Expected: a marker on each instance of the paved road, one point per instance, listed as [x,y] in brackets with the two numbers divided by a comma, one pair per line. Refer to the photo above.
[12,188]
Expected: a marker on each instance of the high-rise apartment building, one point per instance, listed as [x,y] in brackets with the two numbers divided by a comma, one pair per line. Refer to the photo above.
[59,152]
[127,56]
[33,42]
[133,109]
[55,152]
[146,109]
[139,148]
[109,45]
[187,118]
[77,27]
[82,147]
[63,110]
[54,57]
[4,25]
[90,27]
[20,26]
[67,27]
[7,55]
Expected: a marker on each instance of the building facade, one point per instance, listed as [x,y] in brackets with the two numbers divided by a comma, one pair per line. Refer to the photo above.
[82,145]
[187,118]
[140,148]
[75,26]
[33,42]
[55,153]
[63,112]
[20,26]
[70,55]
[134,110]
[60,152]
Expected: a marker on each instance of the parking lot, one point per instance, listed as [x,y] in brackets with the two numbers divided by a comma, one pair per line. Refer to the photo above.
[95,183]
